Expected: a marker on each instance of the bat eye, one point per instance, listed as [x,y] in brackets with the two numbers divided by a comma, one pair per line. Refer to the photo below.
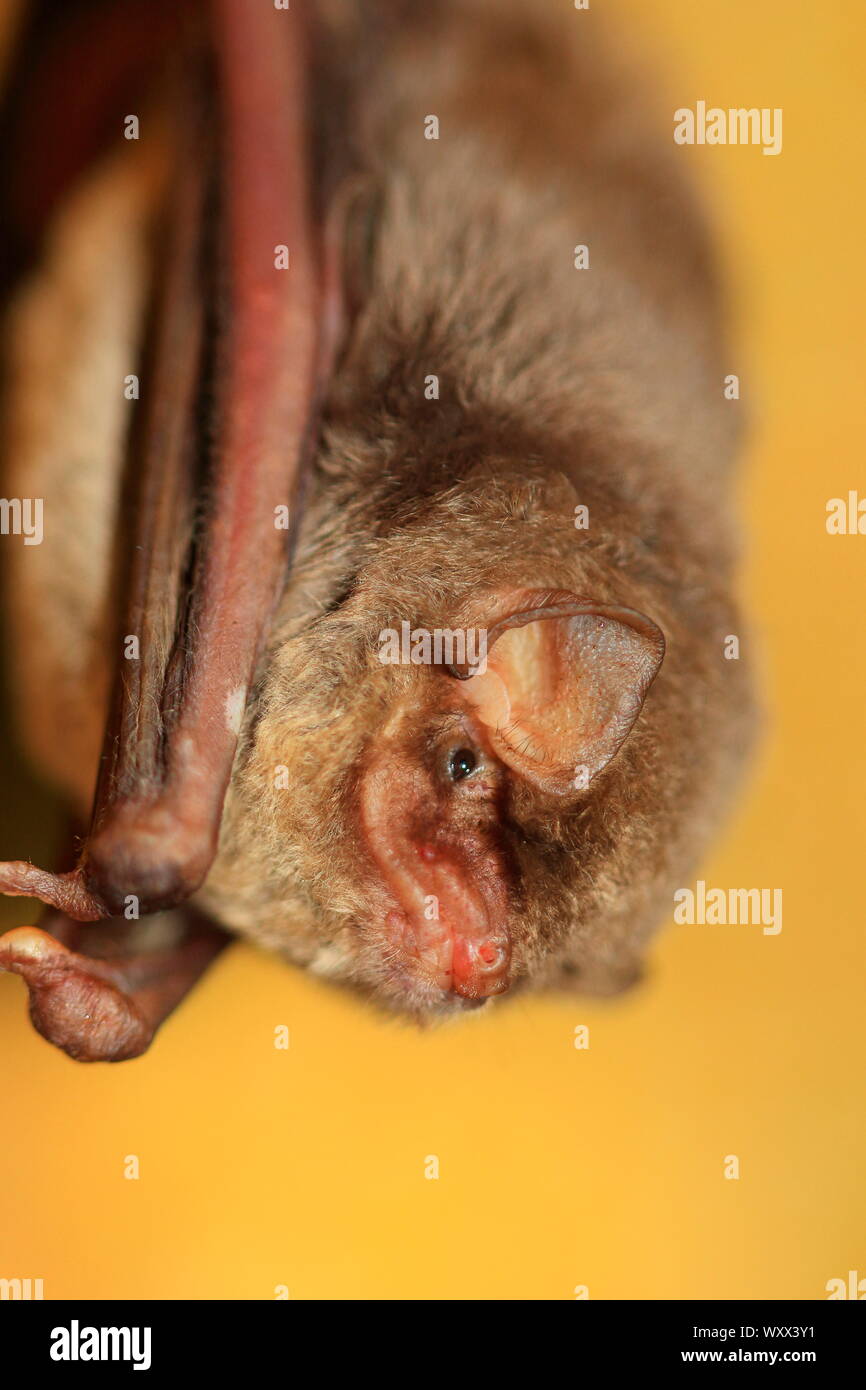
[461,764]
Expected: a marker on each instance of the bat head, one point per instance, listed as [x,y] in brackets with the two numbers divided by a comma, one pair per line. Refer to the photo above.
[456,781]
[538,697]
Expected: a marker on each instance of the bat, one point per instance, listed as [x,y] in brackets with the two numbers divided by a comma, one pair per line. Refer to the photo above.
[471,739]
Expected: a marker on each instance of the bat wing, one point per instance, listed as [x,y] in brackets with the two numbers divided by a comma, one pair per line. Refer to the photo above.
[241,338]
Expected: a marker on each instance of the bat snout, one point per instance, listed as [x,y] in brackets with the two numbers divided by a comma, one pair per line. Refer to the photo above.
[451,960]
[480,968]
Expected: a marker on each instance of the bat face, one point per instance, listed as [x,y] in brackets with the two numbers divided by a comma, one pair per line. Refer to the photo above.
[433,802]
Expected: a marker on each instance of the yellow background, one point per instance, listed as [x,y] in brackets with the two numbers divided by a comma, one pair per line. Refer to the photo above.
[558,1167]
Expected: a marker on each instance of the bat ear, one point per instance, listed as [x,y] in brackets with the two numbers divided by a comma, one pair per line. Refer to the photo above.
[563,683]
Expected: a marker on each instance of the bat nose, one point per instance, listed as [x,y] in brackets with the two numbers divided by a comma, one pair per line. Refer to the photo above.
[479,968]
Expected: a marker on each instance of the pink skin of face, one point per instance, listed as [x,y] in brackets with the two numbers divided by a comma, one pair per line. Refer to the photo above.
[430,840]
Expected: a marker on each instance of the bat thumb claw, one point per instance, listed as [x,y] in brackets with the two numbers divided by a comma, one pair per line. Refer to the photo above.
[66,892]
